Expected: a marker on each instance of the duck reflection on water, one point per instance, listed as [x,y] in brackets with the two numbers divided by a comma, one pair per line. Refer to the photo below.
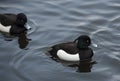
[82,66]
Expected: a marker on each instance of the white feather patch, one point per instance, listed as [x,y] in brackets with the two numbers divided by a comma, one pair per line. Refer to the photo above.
[5,29]
[67,57]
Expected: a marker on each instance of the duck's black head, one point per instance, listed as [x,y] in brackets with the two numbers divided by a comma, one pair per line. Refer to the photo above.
[21,19]
[83,42]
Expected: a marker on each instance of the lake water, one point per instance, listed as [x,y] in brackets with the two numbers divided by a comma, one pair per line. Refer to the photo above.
[57,21]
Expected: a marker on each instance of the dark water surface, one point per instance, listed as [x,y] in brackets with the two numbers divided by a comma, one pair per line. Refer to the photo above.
[56,21]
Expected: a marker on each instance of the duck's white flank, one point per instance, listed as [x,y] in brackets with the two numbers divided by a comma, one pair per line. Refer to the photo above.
[67,57]
[5,29]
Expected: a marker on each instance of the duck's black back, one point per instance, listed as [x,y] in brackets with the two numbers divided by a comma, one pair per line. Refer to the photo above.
[69,47]
[7,19]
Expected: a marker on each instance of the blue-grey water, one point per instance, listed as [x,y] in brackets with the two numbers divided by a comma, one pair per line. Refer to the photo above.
[57,21]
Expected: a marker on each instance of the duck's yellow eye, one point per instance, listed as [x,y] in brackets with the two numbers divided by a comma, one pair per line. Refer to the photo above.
[87,41]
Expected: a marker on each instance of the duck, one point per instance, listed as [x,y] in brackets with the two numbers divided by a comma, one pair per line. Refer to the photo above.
[13,24]
[75,51]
